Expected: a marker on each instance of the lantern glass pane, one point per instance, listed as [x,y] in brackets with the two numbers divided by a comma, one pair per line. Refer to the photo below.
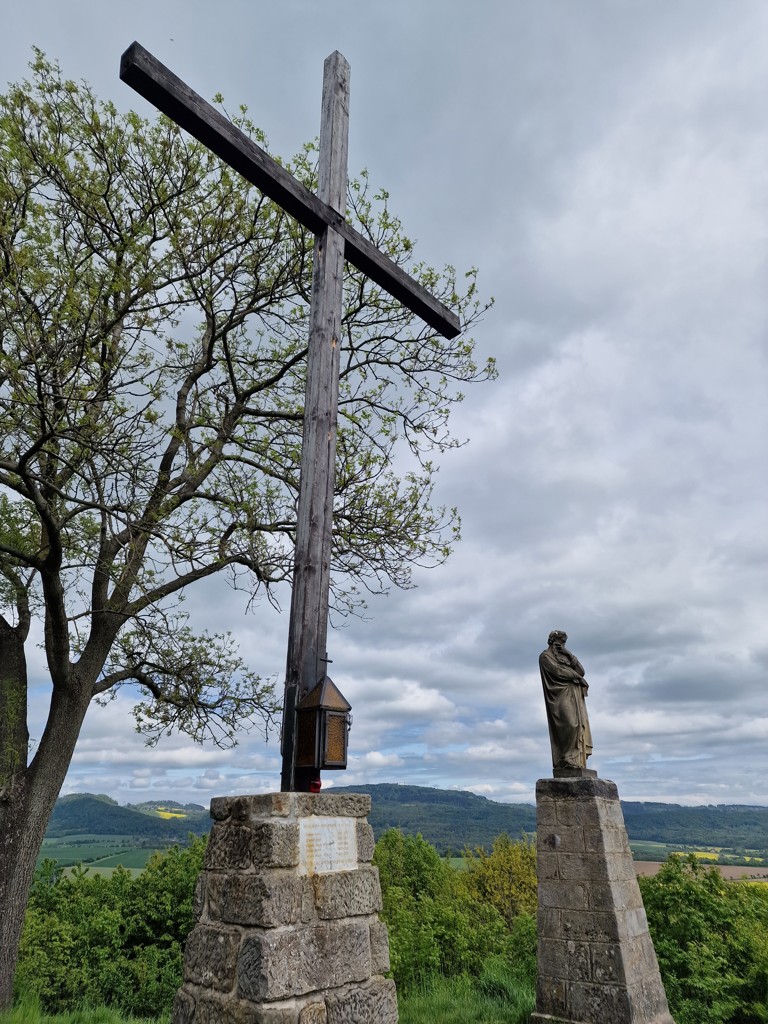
[336,739]
[306,740]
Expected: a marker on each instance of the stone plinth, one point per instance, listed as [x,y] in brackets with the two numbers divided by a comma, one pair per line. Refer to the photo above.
[596,961]
[287,917]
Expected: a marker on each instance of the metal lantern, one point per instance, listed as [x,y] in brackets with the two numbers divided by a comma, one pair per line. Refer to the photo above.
[322,724]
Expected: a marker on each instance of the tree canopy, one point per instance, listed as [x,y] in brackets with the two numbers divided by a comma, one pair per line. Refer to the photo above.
[153,335]
[153,341]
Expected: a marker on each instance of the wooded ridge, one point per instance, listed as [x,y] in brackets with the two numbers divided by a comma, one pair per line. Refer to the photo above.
[449,819]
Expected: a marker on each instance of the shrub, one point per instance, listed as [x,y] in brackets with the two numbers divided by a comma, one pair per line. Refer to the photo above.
[505,877]
[435,926]
[117,940]
[711,939]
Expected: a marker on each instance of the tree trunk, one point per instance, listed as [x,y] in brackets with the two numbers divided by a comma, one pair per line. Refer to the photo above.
[26,801]
[14,737]
[21,835]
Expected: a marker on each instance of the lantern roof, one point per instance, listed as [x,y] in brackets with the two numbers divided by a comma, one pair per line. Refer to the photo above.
[325,696]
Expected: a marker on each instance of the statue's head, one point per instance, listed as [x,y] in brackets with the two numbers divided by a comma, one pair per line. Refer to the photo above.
[557,636]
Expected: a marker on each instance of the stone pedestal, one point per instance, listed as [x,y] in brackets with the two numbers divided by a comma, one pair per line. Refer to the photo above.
[596,961]
[287,906]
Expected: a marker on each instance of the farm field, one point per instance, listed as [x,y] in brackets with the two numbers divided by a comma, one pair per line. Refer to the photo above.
[649,858]
[128,859]
[98,851]
[97,832]
[649,868]
[99,869]
[67,852]
[644,850]
[128,851]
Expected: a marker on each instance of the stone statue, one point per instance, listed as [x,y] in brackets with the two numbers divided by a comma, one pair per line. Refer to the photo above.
[565,688]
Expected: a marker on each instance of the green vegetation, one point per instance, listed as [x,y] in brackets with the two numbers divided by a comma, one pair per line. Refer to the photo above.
[95,830]
[81,853]
[496,997]
[462,942]
[137,859]
[117,940]
[505,878]
[28,1012]
[711,939]
[714,855]
[733,827]
[452,821]
[439,923]
[83,814]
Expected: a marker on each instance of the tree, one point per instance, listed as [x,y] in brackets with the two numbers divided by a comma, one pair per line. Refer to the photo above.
[505,877]
[153,331]
[436,927]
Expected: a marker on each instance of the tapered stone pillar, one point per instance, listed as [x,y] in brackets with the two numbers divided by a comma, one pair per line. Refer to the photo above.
[288,929]
[596,961]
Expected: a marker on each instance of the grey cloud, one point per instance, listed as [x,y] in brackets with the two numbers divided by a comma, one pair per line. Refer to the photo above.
[603,164]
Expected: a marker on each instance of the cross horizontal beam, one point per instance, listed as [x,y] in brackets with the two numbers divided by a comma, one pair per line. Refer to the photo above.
[156,83]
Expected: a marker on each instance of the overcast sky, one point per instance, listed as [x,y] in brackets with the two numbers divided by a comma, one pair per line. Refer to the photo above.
[605,164]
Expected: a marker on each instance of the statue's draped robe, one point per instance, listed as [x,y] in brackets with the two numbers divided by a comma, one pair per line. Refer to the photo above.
[569,733]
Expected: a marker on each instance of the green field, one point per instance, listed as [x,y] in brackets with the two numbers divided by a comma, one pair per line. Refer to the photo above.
[459,863]
[129,839]
[69,853]
[127,859]
[97,851]
[650,851]
[647,850]
[99,869]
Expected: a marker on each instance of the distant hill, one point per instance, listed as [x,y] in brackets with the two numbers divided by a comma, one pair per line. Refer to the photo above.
[736,826]
[87,814]
[449,819]
[170,809]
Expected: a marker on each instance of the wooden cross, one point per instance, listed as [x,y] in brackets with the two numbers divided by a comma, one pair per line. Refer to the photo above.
[336,240]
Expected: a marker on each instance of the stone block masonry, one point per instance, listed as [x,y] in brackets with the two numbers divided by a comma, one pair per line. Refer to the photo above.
[596,961]
[287,908]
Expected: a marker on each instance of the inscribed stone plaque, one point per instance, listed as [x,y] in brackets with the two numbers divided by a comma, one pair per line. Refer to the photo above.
[327,844]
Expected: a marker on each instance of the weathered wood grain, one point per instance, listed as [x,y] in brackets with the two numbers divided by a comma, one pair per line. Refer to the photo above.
[156,83]
[308,627]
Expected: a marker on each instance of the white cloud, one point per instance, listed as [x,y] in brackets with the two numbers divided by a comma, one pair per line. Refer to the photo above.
[375,759]
[604,165]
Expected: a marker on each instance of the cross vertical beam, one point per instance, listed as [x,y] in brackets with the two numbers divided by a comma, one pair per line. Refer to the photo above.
[308,628]
[337,240]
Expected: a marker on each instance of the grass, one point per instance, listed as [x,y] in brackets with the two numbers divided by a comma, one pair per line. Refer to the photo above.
[699,854]
[496,997]
[28,1011]
[71,853]
[80,838]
